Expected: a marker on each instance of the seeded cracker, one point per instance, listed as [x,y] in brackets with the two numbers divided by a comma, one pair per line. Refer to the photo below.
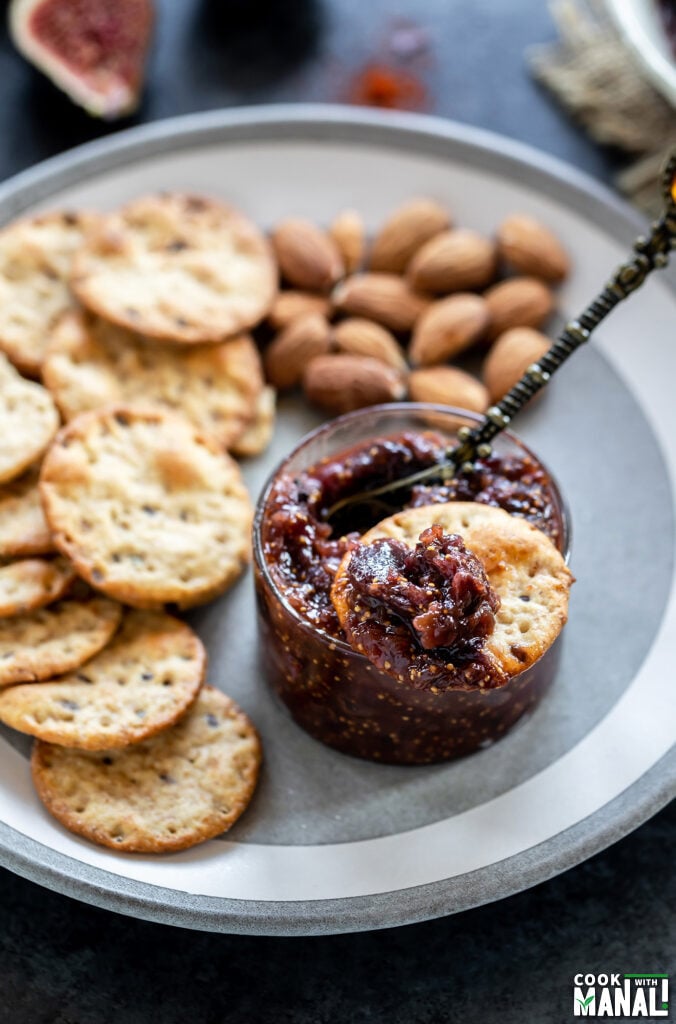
[28,421]
[49,641]
[522,564]
[91,363]
[186,785]
[139,685]
[148,509]
[177,267]
[35,264]
[23,527]
[33,583]
[258,434]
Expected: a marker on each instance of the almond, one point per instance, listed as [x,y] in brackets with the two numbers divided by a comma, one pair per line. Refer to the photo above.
[528,247]
[385,298]
[289,305]
[448,327]
[341,382]
[290,352]
[308,258]
[446,385]
[517,302]
[453,261]
[362,337]
[349,234]
[510,357]
[402,234]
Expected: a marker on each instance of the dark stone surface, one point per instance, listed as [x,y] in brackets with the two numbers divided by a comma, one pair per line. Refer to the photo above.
[215,53]
[62,962]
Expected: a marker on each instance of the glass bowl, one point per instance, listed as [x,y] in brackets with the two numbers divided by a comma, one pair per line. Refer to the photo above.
[334,692]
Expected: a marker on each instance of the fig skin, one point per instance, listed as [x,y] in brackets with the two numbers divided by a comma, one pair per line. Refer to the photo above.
[95,51]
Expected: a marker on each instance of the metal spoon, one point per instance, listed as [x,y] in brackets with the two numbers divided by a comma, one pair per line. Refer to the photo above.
[651,253]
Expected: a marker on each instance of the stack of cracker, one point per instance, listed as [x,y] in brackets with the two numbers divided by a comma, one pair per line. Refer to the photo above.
[136,324]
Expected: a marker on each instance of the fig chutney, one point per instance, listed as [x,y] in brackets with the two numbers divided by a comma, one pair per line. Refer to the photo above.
[333,691]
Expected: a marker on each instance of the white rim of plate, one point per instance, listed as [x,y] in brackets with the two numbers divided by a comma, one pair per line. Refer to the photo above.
[585,818]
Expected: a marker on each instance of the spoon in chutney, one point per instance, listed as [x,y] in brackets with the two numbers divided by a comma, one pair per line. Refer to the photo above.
[649,253]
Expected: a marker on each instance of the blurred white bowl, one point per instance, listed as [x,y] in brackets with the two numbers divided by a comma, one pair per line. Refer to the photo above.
[640,25]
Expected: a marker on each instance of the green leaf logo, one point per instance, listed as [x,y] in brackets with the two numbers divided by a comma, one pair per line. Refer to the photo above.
[585,1002]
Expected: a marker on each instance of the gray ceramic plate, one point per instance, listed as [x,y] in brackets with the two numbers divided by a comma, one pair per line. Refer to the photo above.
[329,843]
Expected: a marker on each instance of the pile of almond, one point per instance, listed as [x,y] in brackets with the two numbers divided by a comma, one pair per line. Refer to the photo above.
[358,323]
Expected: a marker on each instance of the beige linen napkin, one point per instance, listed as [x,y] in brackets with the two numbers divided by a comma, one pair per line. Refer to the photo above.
[595,78]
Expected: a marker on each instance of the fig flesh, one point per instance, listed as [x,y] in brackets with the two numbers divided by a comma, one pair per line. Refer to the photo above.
[94,50]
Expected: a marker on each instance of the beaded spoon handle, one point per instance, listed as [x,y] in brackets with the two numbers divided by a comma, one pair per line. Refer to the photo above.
[649,254]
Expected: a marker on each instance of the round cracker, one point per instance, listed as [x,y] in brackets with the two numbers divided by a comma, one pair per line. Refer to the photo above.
[28,421]
[186,785]
[23,527]
[92,363]
[35,265]
[141,683]
[49,641]
[258,434]
[149,509]
[33,583]
[525,569]
[178,267]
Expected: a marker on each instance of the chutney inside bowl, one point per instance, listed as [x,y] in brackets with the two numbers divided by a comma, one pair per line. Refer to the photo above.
[333,691]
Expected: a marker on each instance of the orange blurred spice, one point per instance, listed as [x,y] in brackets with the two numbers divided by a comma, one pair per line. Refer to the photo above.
[378,85]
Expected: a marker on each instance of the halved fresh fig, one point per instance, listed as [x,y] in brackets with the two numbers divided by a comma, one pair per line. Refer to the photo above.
[95,50]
